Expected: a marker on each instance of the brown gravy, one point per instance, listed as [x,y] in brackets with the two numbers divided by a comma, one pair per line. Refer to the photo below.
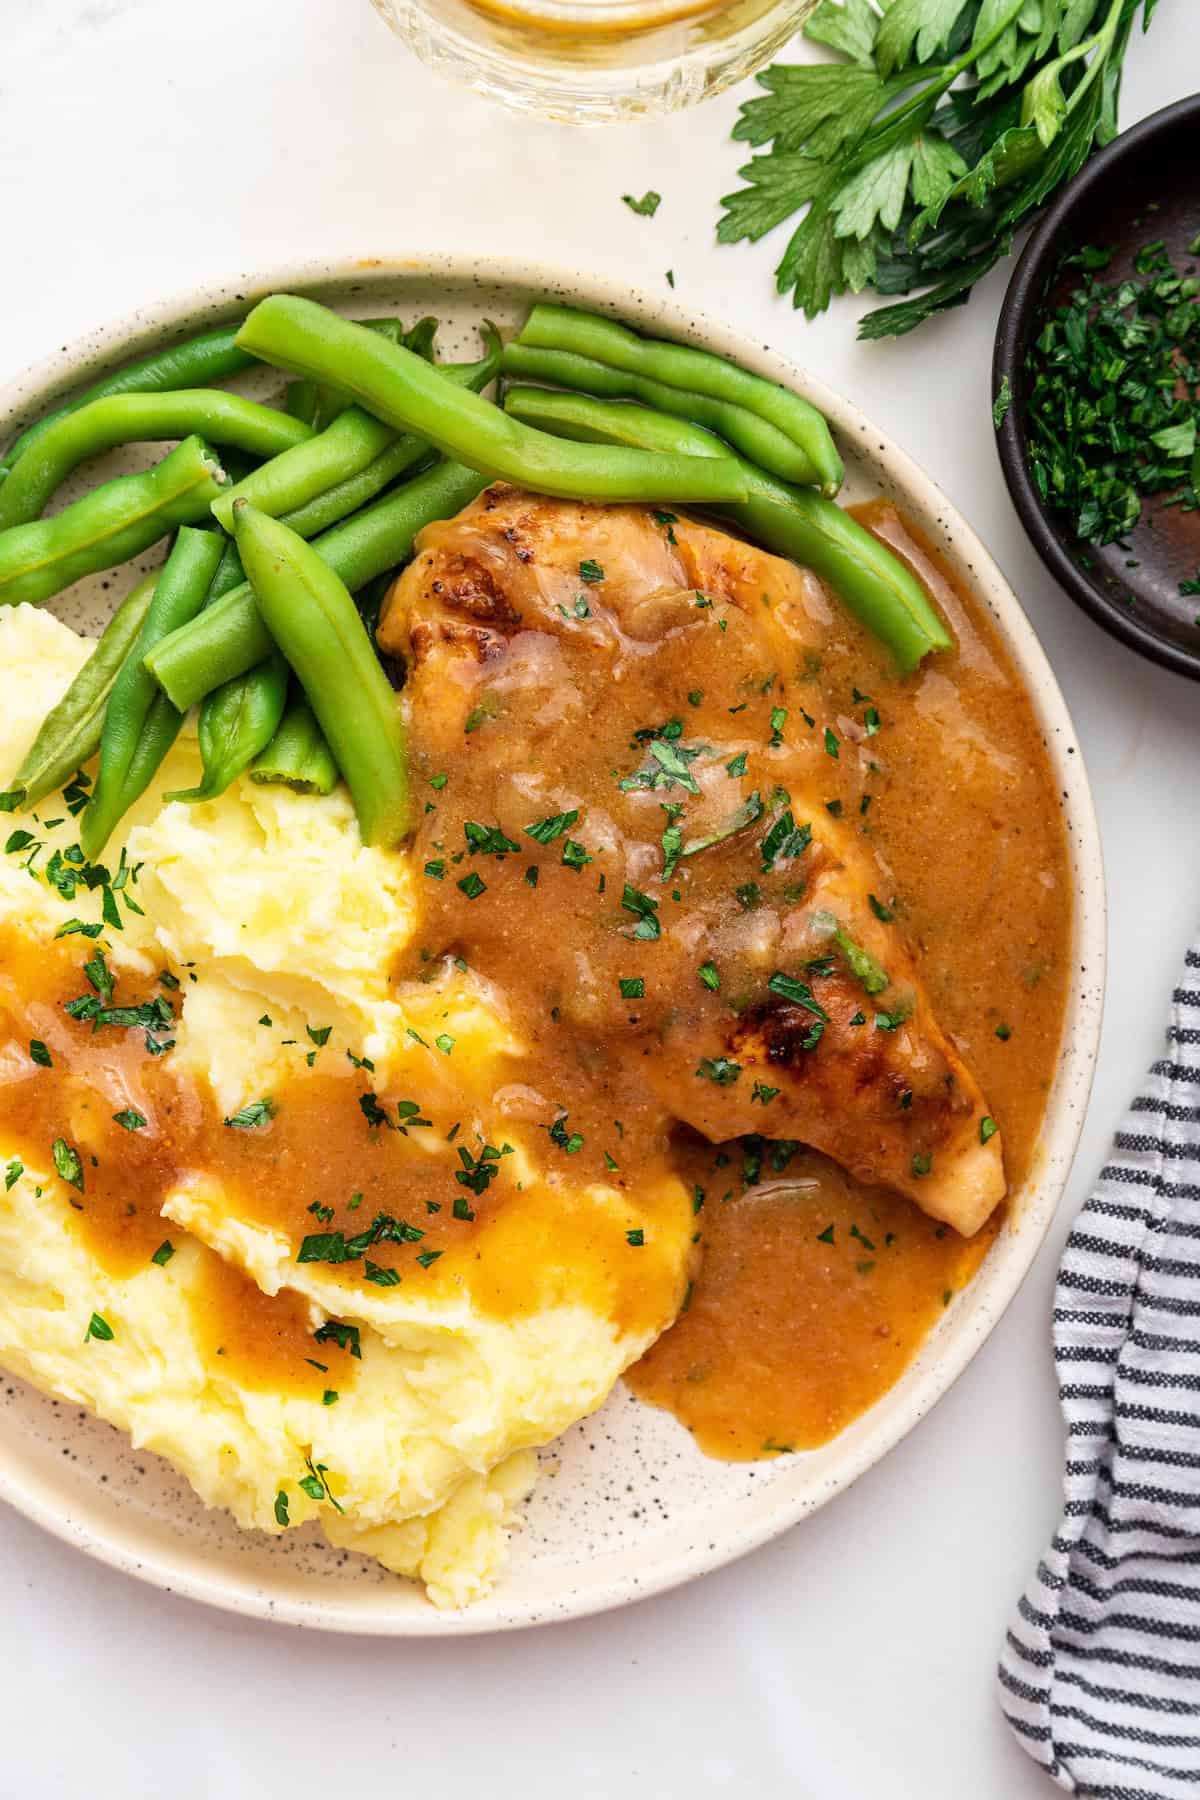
[788,1338]
[810,1291]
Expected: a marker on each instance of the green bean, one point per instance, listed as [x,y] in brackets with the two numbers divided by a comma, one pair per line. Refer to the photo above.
[398,387]
[755,437]
[874,584]
[198,361]
[304,477]
[116,521]
[139,418]
[312,618]
[322,403]
[297,756]
[229,575]
[307,469]
[695,371]
[237,721]
[337,503]
[230,636]
[140,724]
[69,735]
[302,400]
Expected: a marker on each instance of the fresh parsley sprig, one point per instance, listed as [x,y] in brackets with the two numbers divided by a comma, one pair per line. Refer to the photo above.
[914,159]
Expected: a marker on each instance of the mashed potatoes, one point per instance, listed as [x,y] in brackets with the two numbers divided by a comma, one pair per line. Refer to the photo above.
[278,921]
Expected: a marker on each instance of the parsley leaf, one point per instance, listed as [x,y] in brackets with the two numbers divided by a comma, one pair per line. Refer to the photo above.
[909,163]
[252,1116]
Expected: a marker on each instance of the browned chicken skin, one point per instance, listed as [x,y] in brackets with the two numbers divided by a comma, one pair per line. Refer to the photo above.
[700,934]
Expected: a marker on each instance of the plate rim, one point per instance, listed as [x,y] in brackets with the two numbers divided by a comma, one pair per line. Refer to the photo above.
[173,1567]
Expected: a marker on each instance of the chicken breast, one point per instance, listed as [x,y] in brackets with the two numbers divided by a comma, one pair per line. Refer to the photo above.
[624,833]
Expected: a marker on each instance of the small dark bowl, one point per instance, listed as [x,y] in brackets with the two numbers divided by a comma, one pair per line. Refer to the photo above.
[1143,186]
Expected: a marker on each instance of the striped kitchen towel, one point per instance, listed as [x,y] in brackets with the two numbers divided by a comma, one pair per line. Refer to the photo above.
[1100,1675]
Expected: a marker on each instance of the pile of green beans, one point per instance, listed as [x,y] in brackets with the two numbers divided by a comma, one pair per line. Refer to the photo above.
[109,525]
[720,393]
[410,394]
[212,356]
[140,418]
[230,637]
[256,624]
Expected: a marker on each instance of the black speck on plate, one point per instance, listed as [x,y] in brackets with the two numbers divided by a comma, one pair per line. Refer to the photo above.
[1142,187]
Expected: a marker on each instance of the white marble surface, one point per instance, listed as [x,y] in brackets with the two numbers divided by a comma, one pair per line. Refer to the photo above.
[146,145]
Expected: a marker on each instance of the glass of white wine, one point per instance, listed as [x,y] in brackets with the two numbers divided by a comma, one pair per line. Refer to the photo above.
[590,61]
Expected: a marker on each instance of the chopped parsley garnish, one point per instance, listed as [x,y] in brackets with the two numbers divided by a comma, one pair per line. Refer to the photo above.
[531,875]
[1112,406]
[427,1258]
[798,993]
[346,1337]
[472,886]
[826,1236]
[749,812]
[382,1277]
[722,1070]
[13,1173]
[252,1116]
[892,1021]
[922,1163]
[76,927]
[1002,403]
[632,987]
[748,896]
[987,1130]
[572,1143]
[68,1163]
[635,1238]
[647,206]
[39,1054]
[1004,1032]
[709,976]
[785,841]
[645,910]
[100,1329]
[487,840]
[672,759]
[831,743]
[281,1508]
[336,1247]
[737,764]
[672,839]
[590,571]
[462,1208]
[436,869]
[477,1172]
[316,1485]
[544,831]
[886,913]
[778,721]
[763,1094]
[164,1253]
[574,856]
[444,1042]
[329,1397]
[318,1034]
[130,1119]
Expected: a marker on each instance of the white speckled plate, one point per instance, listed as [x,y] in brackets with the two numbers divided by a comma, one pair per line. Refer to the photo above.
[628,1505]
